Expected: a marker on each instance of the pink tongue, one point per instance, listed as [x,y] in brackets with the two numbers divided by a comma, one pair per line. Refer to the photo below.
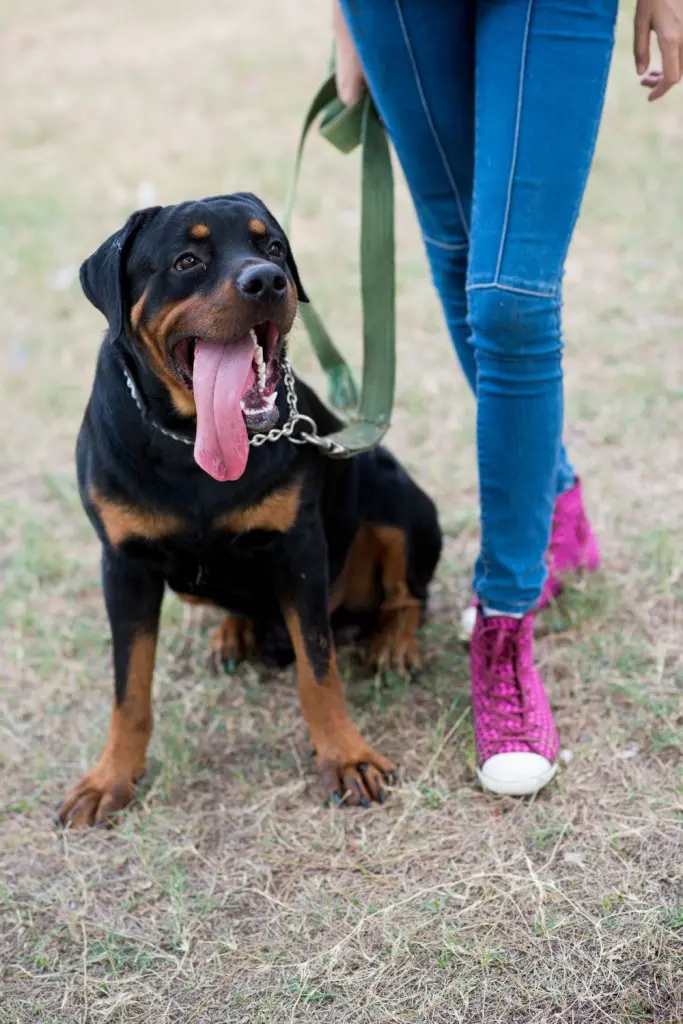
[221,375]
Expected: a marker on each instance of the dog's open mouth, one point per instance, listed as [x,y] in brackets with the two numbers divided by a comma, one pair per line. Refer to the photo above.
[235,390]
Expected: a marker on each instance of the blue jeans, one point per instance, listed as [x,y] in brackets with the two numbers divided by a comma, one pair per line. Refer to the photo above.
[493,107]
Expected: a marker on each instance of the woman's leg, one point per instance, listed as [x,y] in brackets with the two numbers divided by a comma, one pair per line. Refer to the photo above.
[539,83]
[418,58]
[541,72]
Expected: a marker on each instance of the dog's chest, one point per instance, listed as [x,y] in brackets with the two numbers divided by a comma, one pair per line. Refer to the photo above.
[233,570]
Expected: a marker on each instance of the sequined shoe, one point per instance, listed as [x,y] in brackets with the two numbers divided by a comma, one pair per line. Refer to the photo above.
[516,739]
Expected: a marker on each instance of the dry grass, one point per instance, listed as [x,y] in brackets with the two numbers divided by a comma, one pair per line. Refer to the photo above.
[228,894]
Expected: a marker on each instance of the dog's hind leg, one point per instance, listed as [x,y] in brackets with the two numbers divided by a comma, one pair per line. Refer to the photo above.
[231,643]
[376,577]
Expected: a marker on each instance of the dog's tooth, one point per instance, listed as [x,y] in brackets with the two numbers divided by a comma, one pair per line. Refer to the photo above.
[258,355]
[252,332]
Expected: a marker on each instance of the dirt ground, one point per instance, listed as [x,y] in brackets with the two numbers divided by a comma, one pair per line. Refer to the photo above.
[228,894]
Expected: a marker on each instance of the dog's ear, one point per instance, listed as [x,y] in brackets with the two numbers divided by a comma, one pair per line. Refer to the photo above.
[102,274]
[291,263]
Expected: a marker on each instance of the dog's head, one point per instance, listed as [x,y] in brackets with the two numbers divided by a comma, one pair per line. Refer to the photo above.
[207,293]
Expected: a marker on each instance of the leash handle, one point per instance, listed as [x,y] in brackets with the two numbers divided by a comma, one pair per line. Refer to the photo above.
[342,389]
[347,127]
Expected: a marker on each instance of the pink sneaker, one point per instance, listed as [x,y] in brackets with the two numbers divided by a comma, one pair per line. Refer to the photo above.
[573,545]
[573,548]
[515,735]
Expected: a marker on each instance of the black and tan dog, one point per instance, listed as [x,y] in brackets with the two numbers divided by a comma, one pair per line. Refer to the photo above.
[199,299]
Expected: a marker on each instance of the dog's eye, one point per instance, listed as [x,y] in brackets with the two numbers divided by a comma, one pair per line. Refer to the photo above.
[276,249]
[186,262]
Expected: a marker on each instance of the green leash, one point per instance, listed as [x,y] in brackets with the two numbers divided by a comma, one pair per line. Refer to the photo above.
[369,414]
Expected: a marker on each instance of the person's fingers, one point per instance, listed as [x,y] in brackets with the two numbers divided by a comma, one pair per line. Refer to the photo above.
[671,68]
[350,86]
[641,40]
[349,73]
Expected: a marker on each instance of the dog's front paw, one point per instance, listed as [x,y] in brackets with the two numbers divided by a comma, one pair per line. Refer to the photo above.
[356,776]
[108,787]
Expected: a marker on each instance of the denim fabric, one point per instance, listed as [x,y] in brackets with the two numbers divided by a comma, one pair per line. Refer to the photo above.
[493,107]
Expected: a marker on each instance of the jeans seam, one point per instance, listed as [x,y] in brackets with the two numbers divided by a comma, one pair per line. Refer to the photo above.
[430,121]
[511,288]
[515,144]
[596,128]
[445,245]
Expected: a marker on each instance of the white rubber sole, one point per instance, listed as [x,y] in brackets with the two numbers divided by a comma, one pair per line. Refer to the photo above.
[468,620]
[521,773]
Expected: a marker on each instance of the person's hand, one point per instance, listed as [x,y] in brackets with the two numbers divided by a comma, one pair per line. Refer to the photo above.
[665,19]
[350,78]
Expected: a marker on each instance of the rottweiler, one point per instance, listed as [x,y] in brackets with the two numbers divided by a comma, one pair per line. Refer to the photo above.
[192,373]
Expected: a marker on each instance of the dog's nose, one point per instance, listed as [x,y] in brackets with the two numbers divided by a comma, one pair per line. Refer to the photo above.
[262,282]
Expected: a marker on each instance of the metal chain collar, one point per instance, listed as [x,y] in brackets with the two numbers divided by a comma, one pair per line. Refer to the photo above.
[296,418]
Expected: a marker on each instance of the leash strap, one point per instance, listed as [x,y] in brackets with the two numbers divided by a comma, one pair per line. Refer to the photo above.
[370,413]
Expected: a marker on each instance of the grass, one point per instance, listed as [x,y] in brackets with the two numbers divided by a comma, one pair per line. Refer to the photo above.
[228,894]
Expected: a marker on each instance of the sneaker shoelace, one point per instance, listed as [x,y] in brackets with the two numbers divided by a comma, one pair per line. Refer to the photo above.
[501,647]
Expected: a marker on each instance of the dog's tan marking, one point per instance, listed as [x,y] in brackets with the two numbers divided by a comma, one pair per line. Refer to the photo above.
[154,343]
[375,575]
[276,513]
[233,640]
[192,599]
[200,231]
[137,310]
[257,227]
[124,522]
